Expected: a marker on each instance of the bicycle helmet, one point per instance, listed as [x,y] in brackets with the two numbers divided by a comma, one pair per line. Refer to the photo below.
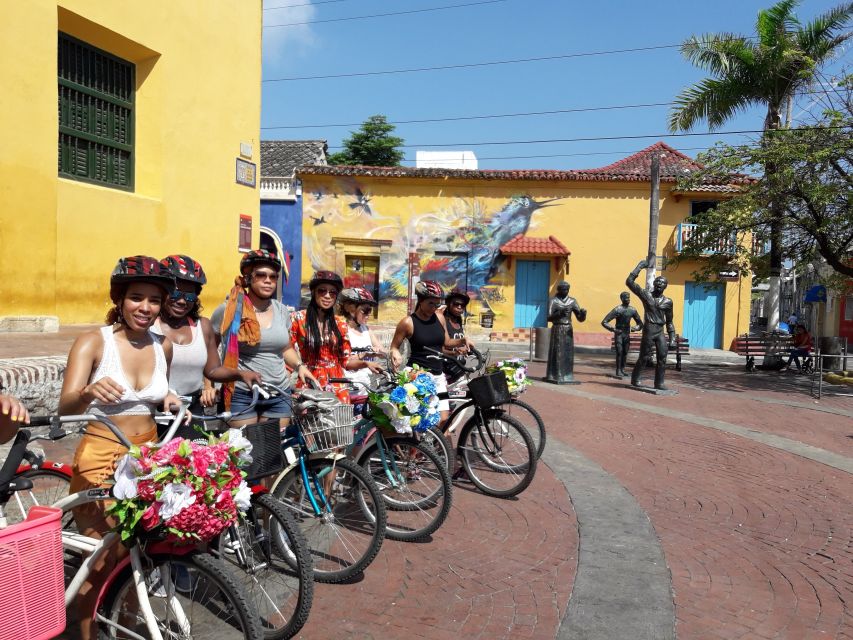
[357,295]
[428,289]
[326,277]
[458,294]
[142,269]
[185,268]
[259,256]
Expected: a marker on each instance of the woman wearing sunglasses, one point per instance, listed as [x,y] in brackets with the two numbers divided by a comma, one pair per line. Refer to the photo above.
[320,335]
[195,360]
[456,302]
[255,329]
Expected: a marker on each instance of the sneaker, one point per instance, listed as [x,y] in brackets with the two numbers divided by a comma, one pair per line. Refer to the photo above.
[184,582]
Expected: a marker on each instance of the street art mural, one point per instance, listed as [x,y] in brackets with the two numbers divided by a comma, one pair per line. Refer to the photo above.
[457,241]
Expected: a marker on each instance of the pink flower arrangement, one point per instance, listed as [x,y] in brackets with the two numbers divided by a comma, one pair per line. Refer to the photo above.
[191,490]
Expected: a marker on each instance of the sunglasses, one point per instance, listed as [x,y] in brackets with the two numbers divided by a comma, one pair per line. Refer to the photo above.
[332,293]
[457,303]
[189,296]
[265,275]
[367,310]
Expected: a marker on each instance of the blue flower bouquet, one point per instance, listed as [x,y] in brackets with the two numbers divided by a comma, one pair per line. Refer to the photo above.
[411,405]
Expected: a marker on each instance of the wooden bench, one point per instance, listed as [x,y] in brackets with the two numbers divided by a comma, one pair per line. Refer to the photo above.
[773,344]
[682,347]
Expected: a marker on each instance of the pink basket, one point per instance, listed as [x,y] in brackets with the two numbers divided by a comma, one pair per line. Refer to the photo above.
[32,595]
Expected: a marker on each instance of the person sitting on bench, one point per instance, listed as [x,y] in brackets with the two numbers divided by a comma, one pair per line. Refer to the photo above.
[802,347]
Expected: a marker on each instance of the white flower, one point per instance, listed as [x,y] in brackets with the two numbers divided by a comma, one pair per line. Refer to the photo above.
[401,424]
[243,497]
[413,404]
[175,498]
[389,409]
[240,443]
[433,403]
[126,479]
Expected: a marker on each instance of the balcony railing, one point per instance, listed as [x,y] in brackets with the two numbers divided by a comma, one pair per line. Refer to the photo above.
[280,189]
[686,232]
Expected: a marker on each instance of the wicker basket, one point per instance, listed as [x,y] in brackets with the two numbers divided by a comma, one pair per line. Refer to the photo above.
[267,455]
[489,390]
[328,430]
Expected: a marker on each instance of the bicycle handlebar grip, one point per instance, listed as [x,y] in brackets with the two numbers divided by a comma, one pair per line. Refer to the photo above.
[340,380]
[40,421]
[16,454]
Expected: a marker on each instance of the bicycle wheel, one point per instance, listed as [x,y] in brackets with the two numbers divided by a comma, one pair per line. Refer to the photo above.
[346,537]
[192,596]
[497,453]
[49,485]
[274,565]
[441,446]
[414,485]
[529,419]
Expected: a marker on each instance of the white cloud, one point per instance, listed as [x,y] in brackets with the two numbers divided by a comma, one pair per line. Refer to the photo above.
[283,44]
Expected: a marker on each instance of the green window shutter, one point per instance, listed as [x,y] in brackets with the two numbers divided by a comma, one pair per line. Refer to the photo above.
[96,108]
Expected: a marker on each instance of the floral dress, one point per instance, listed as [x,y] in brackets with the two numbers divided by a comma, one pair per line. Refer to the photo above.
[328,365]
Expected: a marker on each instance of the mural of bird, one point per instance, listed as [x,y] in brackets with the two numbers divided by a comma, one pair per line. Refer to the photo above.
[362,202]
[318,195]
[320,220]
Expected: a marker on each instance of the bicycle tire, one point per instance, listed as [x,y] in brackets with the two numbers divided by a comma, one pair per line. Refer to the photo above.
[212,591]
[482,450]
[49,485]
[537,433]
[362,520]
[274,564]
[420,502]
[441,445]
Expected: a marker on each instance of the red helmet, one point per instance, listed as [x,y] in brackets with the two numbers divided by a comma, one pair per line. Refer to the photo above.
[259,256]
[184,268]
[358,295]
[326,277]
[428,289]
[458,294]
[142,269]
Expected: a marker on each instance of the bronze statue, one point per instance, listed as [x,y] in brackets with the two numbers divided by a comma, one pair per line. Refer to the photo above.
[561,351]
[623,314]
[658,313]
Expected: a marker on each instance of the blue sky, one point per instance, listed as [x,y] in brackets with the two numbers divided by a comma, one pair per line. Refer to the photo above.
[502,30]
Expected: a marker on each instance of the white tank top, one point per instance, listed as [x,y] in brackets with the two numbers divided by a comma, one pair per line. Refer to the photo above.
[132,402]
[187,373]
[360,343]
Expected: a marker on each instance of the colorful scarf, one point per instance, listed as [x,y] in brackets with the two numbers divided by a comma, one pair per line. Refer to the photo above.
[239,324]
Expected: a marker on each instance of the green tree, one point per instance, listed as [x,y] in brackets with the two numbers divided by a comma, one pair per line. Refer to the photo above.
[782,59]
[372,145]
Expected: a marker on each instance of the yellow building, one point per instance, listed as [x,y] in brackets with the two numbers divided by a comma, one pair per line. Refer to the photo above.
[123,125]
[507,237]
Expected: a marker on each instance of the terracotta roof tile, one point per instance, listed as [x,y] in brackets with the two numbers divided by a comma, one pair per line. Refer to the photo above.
[529,245]
[280,157]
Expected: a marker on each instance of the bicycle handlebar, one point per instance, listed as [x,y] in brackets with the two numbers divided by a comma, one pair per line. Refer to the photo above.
[481,360]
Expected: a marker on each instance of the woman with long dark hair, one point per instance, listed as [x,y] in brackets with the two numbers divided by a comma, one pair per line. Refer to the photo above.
[320,335]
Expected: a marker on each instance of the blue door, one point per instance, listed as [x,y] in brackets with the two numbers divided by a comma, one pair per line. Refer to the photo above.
[703,314]
[531,292]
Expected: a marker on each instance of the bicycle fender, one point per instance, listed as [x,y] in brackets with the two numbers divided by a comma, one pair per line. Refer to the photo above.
[120,566]
[61,467]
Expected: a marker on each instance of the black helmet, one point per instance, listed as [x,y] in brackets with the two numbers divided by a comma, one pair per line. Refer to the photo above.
[458,294]
[184,268]
[428,289]
[326,277]
[259,256]
[357,295]
[142,269]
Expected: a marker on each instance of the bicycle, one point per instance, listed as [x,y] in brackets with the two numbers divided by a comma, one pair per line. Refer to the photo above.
[497,452]
[335,503]
[159,588]
[265,543]
[414,484]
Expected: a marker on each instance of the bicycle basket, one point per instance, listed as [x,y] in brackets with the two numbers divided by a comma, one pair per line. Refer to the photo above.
[328,429]
[489,390]
[32,575]
[267,456]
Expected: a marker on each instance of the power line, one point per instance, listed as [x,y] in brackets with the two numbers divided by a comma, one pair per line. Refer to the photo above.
[481,117]
[568,155]
[385,15]
[476,64]
[601,138]
[303,4]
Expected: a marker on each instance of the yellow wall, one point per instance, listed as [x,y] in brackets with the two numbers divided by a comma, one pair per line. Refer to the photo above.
[198,71]
[603,224]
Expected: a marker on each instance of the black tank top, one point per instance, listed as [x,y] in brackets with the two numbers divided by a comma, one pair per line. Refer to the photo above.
[426,333]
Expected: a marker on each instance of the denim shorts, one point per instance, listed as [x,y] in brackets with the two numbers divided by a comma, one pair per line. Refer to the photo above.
[273,407]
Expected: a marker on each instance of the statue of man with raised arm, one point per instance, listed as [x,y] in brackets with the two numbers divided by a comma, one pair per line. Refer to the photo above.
[658,315]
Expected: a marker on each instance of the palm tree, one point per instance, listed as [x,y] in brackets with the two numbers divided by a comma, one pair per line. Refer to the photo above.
[782,59]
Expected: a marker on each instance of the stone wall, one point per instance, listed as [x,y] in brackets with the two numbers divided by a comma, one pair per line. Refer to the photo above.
[35,381]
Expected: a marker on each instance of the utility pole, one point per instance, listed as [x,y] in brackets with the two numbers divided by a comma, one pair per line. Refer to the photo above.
[654,217]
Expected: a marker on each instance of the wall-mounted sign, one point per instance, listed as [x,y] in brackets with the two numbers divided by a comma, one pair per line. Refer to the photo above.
[244,242]
[730,274]
[246,172]
[246,150]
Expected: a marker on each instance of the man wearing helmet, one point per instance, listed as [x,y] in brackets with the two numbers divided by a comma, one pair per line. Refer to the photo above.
[425,330]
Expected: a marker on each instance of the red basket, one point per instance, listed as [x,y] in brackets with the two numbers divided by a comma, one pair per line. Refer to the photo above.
[32,596]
